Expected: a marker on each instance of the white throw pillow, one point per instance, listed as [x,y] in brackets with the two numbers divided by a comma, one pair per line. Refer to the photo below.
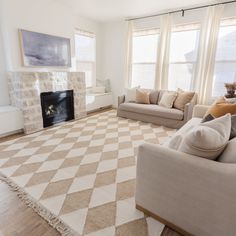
[167,99]
[229,154]
[130,95]
[208,139]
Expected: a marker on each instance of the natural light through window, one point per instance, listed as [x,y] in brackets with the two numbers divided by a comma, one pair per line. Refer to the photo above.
[85,48]
[183,56]
[225,66]
[144,58]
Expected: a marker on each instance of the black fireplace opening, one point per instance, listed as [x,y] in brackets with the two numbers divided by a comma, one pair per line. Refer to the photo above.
[57,107]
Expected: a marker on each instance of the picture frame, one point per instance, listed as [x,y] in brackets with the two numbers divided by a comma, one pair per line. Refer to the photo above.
[44,50]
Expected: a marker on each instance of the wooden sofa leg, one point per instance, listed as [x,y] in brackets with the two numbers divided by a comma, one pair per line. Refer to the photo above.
[163,221]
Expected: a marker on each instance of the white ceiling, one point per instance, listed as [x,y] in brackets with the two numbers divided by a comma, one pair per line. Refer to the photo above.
[110,10]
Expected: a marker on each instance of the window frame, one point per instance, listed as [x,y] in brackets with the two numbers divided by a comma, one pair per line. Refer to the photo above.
[184,28]
[225,22]
[92,63]
[139,33]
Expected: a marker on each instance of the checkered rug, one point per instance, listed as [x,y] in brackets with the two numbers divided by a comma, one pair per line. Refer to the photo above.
[80,176]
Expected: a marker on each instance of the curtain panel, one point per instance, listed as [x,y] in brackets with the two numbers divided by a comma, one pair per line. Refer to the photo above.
[204,71]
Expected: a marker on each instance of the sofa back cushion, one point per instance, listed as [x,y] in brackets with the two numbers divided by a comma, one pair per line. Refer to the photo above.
[153,96]
[207,140]
[229,154]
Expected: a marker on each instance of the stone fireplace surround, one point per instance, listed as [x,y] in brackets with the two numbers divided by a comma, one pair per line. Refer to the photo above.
[25,89]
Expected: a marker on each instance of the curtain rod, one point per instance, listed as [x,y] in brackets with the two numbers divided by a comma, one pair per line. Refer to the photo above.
[181,10]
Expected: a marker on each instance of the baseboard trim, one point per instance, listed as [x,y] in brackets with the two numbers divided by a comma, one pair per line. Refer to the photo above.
[163,221]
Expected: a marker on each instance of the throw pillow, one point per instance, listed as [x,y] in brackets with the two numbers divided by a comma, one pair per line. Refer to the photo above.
[182,99]
[233,124]
[209,139]
[130,95]
[142,96]
[228,156]
[221,107]
[167,99]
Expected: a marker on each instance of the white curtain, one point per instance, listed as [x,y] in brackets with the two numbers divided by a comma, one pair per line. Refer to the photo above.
[128,59]
[163,49]
[207,52]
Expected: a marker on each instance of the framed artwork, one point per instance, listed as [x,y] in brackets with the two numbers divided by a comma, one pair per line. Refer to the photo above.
[43,50]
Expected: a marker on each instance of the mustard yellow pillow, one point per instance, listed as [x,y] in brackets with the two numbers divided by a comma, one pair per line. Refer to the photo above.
[221,107]
[142,96]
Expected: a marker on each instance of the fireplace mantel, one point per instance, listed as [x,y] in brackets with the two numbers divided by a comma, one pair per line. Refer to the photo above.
[25,89]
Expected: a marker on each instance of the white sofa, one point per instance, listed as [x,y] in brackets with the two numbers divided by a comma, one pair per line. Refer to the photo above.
[192,195]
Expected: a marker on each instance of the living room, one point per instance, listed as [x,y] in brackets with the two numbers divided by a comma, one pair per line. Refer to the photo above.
[117,117]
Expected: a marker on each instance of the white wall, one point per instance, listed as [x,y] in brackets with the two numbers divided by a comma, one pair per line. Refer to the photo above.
[114,52]
[45,16]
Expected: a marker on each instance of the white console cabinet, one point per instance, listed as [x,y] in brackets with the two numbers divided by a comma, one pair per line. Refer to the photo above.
[98,101]
[11,120]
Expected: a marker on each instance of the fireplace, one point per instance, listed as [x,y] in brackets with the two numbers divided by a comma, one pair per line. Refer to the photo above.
[57,107]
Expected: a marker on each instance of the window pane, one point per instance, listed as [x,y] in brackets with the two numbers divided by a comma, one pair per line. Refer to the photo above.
[85,48]
[145,48]
[143,75]
[183,46]
[226,48]
[180,76]
[224,73]
[88,68]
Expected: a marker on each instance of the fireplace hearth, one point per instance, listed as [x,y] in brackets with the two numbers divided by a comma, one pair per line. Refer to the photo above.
[57,107]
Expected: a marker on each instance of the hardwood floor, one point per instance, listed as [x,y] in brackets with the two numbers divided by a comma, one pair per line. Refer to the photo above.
[16,219]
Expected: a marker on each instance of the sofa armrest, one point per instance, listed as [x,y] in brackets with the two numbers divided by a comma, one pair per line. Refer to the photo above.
[193,193]
[200,110]
[188,109]
[121,99]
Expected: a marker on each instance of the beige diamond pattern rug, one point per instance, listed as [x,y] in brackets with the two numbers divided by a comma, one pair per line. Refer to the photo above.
[80,176]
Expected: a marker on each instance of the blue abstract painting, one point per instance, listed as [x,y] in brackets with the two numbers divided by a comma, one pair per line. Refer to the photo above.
[45,50]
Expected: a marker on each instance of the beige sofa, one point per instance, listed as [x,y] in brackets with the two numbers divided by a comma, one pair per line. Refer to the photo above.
[192,195]
[154,113]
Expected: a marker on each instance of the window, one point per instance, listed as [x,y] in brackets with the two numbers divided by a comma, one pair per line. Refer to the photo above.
[225,65]
[183,56]
[85,48]
[144,56]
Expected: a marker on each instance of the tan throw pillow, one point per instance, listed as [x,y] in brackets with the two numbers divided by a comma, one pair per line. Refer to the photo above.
[208,139]
[167,99]
[221,107]
[183,98]
[142,96]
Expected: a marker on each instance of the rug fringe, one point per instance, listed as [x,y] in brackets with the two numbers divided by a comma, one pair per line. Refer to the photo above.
[52,220]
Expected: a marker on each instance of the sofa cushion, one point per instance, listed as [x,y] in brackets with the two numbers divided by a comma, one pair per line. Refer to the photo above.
[130,95]
[168,98]
[153,96]
[153,110]
[209,117]
[182,99]
[142,96]
[208,139]
[173,142]
[229,156]
[221,107]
